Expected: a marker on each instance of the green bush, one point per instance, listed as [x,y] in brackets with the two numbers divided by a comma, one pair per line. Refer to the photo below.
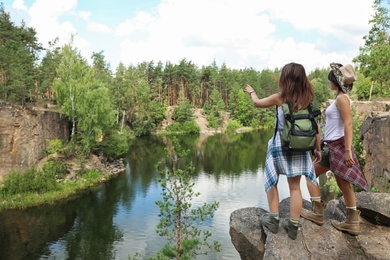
[212,121]
[115,145]
[92,175]
[232,126]
[183,113]
[19,182]
[189,127]
[55,146]
[331,183]
[33,180]
[357,141]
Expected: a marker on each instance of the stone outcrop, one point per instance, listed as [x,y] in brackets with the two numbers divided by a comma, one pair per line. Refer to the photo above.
[376,142]
[253,241]
[24,133]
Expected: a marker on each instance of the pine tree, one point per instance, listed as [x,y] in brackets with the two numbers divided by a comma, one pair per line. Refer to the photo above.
[179,220]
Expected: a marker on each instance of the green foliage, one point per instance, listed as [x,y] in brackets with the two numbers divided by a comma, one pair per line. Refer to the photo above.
[19,49]
[266,119]
[212,121]
[115,144]
[83,98]
[375,54]
[357,141]
[382,184]
[377,219]
[244,112]
[375,189]
[179,220]
[183,113]
[362,88]
[156,112]
[188,127]
[33,180]
[319,79]
[35,187]
[92,175]
[268,81]
[331,183]
[55,146]
[232,126]
[214,104]
[95,116]
[148,117]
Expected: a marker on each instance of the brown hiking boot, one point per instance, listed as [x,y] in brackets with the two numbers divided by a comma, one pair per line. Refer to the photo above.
[317,215]
[351,223]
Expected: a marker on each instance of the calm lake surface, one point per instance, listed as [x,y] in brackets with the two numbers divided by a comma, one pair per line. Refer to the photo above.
[119,218]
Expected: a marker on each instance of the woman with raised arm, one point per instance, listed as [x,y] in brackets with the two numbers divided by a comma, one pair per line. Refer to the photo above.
[293,86]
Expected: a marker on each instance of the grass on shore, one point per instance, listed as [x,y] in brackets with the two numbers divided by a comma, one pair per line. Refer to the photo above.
[35,187]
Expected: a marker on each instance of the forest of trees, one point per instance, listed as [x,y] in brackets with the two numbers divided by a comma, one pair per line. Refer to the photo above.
[134,98]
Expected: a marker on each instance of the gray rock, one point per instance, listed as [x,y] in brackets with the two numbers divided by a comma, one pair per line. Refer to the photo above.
[375,207]
[252,241]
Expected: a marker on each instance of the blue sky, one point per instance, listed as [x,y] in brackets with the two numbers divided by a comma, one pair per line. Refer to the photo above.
[242,34]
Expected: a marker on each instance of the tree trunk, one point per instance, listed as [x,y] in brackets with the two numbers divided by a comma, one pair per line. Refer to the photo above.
[372,85]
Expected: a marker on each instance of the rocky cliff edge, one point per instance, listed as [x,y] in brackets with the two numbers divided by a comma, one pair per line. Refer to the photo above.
[253,241]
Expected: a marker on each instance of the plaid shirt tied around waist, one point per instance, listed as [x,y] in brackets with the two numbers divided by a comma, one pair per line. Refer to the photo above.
[291,164]
[338,166]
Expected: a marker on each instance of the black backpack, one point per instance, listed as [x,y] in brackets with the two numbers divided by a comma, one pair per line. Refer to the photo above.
[300,127]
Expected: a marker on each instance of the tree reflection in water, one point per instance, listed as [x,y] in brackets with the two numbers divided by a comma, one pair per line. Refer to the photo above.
[118,218]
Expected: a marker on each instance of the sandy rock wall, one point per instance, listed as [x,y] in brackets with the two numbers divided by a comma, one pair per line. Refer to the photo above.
[24,133]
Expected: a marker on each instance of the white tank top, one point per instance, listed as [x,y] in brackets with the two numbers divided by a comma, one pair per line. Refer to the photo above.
[334,127]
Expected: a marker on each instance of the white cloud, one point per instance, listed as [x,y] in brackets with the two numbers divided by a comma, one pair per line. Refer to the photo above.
[246,33]
[98,27]
[140,22]
[45,16]
[85,15]
[19,5]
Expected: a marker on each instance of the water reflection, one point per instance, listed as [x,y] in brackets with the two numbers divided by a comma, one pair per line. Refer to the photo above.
[118,218]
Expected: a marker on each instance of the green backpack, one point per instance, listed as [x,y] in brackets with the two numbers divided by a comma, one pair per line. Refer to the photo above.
[300,127]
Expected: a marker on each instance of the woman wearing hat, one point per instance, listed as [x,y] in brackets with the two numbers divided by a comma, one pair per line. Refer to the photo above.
[338,154]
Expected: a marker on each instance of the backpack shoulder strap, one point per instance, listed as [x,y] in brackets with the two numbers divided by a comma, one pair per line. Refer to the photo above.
[313,115]
[288,111]
[277,122]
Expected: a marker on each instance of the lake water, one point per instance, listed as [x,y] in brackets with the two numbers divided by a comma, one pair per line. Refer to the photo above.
[119,218]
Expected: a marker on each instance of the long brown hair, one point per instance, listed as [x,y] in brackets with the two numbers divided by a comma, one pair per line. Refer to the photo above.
[294,86]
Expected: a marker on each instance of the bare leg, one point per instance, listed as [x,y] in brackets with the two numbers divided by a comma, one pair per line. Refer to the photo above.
[348,193]
[273,199]
[313,189]
[295,196]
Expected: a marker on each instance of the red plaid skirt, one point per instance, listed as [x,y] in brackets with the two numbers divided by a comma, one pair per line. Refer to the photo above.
[338,166]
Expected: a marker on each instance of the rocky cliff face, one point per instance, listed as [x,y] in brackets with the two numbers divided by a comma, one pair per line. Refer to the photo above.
[376,141]
[24,133]
[376,134]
